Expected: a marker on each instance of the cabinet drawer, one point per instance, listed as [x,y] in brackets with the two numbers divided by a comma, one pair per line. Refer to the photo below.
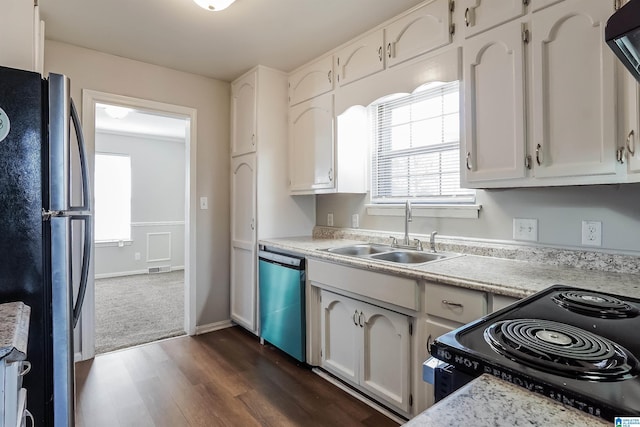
[453,303]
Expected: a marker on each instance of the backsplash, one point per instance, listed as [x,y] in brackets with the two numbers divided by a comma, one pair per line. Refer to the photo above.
[586,260]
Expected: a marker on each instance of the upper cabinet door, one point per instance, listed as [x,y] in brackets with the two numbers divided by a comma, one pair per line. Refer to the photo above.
[481,15]
[361,58]
[313,80]
[573,89]
[425,29]
[537,5]
[494,107]
[311,144]
[243,115]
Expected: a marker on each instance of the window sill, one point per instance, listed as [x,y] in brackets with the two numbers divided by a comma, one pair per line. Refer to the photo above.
[113,243]
[427,211]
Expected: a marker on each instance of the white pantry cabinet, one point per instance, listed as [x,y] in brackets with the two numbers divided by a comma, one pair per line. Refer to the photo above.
[424,29]
[311,145]
[312,80]
[243,114]
[363,57]
[368,346]
[23,44]
[573,90]
[243,241]
[261,206]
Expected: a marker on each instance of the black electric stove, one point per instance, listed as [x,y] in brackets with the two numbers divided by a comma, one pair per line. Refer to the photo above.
[576,346]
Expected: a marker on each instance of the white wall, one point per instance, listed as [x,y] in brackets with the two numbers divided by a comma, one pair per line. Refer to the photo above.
[559,210]
[89,69]
[157,204]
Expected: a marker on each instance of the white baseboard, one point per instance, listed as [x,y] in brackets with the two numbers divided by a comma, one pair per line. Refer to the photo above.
[203,329]
[131,273]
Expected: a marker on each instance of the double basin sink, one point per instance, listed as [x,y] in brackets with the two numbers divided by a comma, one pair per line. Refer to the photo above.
[390,253]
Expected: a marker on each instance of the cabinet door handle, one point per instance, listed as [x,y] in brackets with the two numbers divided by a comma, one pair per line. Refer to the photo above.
[389,50]
[30,417]
[380,53]
[253,139]
[253,224]
[631,143]
[620,155]
[330,174]
[466,17]
[539,158]
[355,317]
[452,304]
[26,367]
[429,344]
[468,161]
[329,76]
[360,322]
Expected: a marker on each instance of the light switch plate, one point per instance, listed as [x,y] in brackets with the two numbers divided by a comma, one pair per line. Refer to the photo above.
[204,203]
[525,229]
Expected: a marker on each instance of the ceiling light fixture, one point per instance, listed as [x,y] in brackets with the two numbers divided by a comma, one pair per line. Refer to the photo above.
[214,5]
[116,112]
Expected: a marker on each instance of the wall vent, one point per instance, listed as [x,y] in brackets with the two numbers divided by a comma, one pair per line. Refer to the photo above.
[161,269]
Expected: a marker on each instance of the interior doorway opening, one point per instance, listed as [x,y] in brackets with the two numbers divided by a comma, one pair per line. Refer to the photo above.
[144,183]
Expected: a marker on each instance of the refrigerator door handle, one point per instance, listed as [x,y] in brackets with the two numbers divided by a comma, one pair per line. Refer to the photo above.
[84,272]
[84,168]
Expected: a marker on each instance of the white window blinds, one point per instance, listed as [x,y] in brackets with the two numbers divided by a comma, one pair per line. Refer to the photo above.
[416,153]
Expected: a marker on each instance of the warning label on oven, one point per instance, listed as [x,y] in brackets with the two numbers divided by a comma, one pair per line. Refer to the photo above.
[627,421]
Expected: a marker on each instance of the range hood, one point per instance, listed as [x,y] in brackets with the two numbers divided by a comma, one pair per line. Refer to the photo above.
[623,36]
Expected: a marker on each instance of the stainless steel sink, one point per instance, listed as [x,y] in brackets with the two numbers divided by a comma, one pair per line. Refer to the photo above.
[389,253]
[409,257]
[360,250]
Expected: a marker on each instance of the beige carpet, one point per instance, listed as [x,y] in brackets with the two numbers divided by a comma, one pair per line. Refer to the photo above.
[134,310]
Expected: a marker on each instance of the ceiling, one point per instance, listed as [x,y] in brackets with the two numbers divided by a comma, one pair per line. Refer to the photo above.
[178,34]
[139,122]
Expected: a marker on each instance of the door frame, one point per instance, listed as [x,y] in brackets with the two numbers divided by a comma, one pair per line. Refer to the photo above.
[89,100]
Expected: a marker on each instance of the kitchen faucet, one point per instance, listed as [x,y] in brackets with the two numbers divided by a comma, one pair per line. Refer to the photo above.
[407,219]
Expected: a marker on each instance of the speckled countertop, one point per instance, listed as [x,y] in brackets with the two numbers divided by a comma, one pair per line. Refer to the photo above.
[509,277]
[14,330]
[491,402]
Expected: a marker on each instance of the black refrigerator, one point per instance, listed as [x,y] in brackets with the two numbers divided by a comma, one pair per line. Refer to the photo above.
[45,230]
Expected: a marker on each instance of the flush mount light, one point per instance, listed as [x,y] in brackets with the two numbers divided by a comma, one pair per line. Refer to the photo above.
[116,112]
[214,5]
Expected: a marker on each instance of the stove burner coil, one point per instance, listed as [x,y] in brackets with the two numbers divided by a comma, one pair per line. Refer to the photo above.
[561,349]
[595,305]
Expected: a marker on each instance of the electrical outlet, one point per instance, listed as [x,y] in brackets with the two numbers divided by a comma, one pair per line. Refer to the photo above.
[525,229]
[592,233]
[355,221]
[136,256]
[330,220]
[204,203]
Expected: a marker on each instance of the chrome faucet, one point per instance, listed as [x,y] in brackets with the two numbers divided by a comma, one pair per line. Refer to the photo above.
[407,219]
[432,241]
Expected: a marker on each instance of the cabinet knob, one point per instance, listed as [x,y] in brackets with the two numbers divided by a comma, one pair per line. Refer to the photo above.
[631,143]
[539,158]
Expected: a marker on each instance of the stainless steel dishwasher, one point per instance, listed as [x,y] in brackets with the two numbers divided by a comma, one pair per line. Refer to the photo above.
[282,301]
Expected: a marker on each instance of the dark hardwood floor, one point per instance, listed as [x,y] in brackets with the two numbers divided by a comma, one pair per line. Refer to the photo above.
[223,378]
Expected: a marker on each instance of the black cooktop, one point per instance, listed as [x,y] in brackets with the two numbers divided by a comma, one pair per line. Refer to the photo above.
[576,346]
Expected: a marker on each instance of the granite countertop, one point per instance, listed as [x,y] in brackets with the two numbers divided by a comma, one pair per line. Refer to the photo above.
[14,331]
[515,278]
[488,401]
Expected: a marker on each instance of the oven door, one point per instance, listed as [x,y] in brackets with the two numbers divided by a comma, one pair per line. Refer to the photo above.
[445,378]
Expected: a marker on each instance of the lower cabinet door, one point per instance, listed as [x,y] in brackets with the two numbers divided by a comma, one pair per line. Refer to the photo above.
[386,363]
[340,336]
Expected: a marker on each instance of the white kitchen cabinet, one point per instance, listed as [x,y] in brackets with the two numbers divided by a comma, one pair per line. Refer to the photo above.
[23,48]
[435,328]
[368,346]
[311,80]
[424,29]
[261,206]
[482,15]
[13,410]
[363,57]
[536,5]
[499,302]
[311,144]
[243,114]
[243,241]
[573,90]
[494,106]
[629,146]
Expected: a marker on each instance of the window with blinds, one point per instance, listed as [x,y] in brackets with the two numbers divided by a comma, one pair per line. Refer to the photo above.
[416,152]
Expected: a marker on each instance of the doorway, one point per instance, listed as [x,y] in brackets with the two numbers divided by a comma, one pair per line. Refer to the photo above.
[143,173]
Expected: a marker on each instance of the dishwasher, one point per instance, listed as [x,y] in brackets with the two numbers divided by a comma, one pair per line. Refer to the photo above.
[281,282]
